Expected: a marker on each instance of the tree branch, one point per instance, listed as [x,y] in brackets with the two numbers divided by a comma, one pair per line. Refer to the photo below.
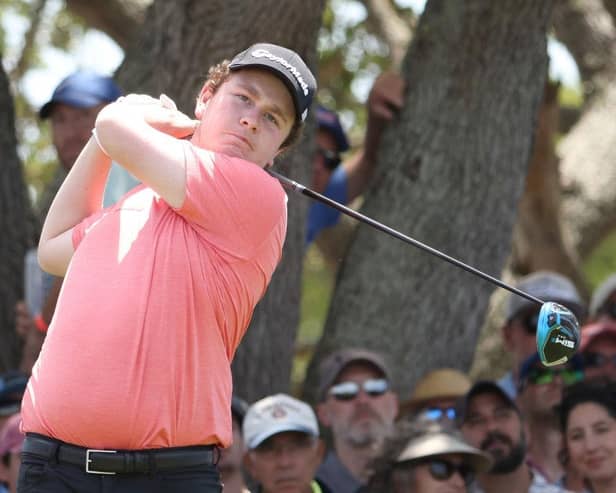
[26,53]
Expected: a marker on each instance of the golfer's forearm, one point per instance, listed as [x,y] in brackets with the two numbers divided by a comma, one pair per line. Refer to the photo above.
[80,195]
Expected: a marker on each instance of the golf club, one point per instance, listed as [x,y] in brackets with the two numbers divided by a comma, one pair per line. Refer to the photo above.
[558,333]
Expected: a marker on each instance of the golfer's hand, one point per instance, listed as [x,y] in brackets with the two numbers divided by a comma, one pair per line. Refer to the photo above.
[161,114]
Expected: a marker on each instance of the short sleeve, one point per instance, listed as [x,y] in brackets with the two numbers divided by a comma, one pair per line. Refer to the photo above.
[232,203]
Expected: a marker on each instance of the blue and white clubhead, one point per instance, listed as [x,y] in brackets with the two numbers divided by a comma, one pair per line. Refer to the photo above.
[558,334]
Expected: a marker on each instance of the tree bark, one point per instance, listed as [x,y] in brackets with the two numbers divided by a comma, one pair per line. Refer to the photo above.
[451,172]
[183,39]
[16,224]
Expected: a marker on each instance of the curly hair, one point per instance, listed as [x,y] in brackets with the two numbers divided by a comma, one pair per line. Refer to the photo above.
[217,76]
[599,391]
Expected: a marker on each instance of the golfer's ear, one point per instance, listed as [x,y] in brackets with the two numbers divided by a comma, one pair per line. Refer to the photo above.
[203,100]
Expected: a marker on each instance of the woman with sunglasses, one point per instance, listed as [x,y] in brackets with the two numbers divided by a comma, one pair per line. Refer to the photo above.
[588,422]
[427,457]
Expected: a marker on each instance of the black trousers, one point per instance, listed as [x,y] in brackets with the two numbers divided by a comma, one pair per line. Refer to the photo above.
[38,475]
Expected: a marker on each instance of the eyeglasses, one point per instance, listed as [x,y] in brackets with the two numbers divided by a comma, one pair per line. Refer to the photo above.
[441,470]
[330,158]
[346,391]
[543,376]
[438,413]
[598,359]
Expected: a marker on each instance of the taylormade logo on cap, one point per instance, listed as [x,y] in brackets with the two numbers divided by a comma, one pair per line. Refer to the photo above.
[260,53]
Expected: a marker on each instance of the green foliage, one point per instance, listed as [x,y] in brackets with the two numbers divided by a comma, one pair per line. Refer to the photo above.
[602,262]
[572,97]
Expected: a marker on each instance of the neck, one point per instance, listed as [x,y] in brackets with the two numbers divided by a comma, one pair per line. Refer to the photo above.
[544,446]
[356,459]
[517,481]
[605,486]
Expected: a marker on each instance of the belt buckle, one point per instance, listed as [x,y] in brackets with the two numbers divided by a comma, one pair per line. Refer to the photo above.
[89,460]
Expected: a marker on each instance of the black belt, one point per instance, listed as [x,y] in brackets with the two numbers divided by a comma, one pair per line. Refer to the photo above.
[95,461]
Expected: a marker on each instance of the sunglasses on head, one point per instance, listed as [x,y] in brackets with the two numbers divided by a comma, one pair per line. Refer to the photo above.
[598,359]
[442,470]
[543,376]
[346,391]
[330,158]
[438,413]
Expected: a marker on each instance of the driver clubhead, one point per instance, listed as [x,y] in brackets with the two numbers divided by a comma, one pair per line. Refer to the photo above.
[558,334]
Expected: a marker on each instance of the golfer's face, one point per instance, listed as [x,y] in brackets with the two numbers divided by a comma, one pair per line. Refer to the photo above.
[249,116]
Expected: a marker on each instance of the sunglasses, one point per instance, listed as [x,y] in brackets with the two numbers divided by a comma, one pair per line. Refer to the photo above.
[438,414]
[530,321]
[543,376]
[598,359]
[442,470]
[330,158]
[346,391]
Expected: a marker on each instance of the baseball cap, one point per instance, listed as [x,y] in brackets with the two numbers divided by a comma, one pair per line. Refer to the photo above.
[601,294]
[82,89]
[547,286]
[333,365]
[287,66]
[328,120]
[591,331]
[441,383]
[12,387]
[439,440]
[276,414]
[484,387]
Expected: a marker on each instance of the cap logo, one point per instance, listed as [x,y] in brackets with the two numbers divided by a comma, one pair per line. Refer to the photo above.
[260,53]
[278,412]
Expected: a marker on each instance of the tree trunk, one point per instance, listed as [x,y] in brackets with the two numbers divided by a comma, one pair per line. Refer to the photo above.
[16,224]
[183,39]
[451,172]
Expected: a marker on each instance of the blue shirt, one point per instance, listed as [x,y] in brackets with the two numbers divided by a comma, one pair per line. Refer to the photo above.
[321,216]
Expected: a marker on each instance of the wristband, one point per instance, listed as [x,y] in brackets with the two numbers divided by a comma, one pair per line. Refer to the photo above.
[40,324]
[98,143]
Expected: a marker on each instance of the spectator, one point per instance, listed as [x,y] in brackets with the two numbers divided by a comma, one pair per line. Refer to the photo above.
[426,457]
[71,111]
[588,423]
[359,407]
[11,441]
[598,347]
[283,446]
[491,421]
[540,392]
[12,387]
[603,301]
[435,396]
[345,181]
[521,315]
[230,463]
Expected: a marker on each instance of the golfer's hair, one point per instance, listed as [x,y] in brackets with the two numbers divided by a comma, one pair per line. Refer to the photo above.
[600,391]
[219,73]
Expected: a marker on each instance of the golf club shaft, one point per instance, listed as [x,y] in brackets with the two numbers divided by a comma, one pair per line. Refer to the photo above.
[298,187]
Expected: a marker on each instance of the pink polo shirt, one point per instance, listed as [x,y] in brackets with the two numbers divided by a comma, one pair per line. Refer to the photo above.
[153,307]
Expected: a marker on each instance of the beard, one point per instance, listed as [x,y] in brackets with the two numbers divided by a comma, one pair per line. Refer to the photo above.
[504,463]
[365,428]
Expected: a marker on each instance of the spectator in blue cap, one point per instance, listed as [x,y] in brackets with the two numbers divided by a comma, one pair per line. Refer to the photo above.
[345,181]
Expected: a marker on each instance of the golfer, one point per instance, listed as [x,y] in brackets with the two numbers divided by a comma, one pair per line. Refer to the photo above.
[132,389]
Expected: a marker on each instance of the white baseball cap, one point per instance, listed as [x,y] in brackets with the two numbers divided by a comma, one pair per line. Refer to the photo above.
[276,414]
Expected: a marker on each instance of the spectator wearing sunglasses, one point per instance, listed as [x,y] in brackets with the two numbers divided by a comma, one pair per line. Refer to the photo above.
[281,435]
[598,348]
[359,407]
[491,421]
[521,315]
[540,392]
[426,457]
[435,396]
[344,181]
[603,301]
